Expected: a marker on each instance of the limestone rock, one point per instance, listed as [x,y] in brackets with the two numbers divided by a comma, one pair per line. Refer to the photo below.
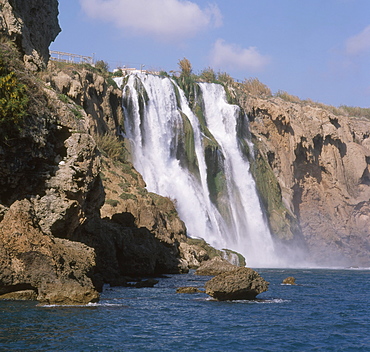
[238,284]
[188,290]
[74,192]
[194,255]
[56,269]
[313,175]
[32,25]
[289,281]
[25,295]
[214,267]
[101,101]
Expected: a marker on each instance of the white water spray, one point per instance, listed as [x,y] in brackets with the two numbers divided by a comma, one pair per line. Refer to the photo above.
[156,115]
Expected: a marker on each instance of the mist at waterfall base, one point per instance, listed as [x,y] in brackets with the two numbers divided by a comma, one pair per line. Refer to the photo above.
[200,161]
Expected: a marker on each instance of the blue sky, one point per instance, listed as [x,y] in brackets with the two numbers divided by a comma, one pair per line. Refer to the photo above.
[317,49]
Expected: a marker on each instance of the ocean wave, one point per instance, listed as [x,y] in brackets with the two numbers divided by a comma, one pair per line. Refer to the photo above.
[88,305]
[251,301]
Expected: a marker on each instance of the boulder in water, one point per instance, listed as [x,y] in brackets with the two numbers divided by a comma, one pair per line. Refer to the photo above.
[238,284]
[215,266]
[289,281]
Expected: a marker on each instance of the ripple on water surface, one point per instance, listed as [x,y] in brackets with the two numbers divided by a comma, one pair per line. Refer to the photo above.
[328,310]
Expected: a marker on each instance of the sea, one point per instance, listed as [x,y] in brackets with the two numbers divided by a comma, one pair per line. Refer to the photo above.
[328,310]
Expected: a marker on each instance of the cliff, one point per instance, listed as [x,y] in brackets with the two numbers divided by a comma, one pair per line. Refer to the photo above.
[317,167]
[32,25]
[74,213]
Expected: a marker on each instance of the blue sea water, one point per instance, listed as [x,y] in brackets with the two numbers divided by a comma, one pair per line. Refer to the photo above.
[329,310]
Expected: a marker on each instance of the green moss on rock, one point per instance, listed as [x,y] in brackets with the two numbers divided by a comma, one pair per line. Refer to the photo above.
[190,158]
[281,222]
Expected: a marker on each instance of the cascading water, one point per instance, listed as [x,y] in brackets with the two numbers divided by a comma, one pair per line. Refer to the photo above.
[198,160]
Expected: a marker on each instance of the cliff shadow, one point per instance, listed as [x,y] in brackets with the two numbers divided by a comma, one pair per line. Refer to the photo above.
[124,250]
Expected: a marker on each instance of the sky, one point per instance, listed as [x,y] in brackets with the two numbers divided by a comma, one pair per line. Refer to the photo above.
[314,49]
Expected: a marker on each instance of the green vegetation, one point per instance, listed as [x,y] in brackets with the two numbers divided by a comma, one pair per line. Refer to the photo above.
[14,100]
[282,223]
[112,202]
[118,73]
[355,111]
[111,146]
[142,191]
[254,87]
[164,204]
[189,145]
[126,196]
[185,67]
[64,98]
[341,110]
[77,112]
[124,186]
[164,74]
[128,169]
[102,66]
[287,97]
[208,75]
[200,242]
[241,259]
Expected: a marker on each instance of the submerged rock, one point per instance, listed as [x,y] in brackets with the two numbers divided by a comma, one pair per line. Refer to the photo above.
[146,283]
[239,284]
[189,290]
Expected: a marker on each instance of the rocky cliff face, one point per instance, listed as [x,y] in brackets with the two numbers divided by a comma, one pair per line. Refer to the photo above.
[139,232]
[50,185]
[32,25]
[321,164]
[54,185]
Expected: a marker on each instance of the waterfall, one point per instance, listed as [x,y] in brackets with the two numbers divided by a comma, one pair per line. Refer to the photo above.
[196,153]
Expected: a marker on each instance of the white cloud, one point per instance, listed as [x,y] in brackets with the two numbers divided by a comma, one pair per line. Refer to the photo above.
[166,20]
[359,43]
[231,56]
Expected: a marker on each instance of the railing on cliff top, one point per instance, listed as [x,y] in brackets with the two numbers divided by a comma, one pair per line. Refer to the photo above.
[71,58]
[81,59]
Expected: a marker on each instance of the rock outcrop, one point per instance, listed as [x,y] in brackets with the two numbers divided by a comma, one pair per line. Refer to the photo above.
[289,281]
[215,266]
[313,176]
[238,284]
[32,25]
[55,269]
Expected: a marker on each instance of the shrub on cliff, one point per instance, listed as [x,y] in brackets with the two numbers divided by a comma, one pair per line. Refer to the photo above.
[13,99]
[111,146]
[255,87]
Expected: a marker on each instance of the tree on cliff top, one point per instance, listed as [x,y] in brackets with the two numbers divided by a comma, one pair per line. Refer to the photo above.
[102,66]
[185,67]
